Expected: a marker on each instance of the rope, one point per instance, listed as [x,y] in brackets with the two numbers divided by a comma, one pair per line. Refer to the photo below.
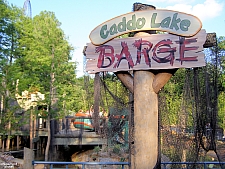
[114,96]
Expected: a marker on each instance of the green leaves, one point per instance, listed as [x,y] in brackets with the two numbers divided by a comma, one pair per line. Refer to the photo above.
[36,52]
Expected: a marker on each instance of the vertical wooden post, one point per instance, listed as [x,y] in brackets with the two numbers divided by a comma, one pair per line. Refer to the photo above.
[28,158]
[146,118]
[8,137]
[146,142]
[60,124]
[17,142]
[35,125]
[0,141]
[96,101]
[131,128]
[31,128]
[12,142]
[147,84]
[3,145]
[145,121]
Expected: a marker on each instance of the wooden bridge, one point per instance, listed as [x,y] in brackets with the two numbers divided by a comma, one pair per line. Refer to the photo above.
[35,134]
[67,134]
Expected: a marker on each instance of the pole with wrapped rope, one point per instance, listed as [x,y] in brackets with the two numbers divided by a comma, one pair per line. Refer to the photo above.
[145,82]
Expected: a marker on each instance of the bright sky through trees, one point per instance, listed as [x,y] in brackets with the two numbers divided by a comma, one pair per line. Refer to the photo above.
[80,17]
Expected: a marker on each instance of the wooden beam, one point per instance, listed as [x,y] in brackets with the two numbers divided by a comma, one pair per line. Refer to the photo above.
[161,78]
[127,79]
[210,40]
[146,52]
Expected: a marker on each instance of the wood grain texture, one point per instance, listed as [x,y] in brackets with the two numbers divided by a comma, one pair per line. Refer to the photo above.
[145,121]
[146,143]
[92,54]
[127,79]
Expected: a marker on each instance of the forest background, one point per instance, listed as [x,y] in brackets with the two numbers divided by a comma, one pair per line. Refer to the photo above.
[35,55]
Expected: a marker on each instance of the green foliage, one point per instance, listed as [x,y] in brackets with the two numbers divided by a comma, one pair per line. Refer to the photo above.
[221,82]
[172,94]
[96,149]
[114,93]
[45,63]
[8,71]
[116,149]
[37,53]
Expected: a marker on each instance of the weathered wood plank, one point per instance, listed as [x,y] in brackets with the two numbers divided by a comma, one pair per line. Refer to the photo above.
[123,54]
[91,65]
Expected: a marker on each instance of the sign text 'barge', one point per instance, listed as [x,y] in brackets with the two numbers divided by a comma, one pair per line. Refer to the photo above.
[159,51]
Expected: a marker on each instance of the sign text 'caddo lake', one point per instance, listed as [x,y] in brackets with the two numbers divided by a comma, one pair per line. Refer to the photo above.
[164,20]
[158,51]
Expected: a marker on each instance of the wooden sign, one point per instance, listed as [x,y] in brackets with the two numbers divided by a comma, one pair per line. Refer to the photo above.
[157,51]
[163,20]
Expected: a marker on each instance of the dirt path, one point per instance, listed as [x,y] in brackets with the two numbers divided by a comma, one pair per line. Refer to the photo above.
[9,161]
[39,166]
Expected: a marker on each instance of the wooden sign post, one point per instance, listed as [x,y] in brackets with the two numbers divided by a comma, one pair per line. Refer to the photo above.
[153,59]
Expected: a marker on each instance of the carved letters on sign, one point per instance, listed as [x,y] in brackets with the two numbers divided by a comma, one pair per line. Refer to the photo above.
[163,20]
[158,51]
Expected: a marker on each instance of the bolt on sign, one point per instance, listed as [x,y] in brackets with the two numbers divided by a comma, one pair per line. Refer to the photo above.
[181,47]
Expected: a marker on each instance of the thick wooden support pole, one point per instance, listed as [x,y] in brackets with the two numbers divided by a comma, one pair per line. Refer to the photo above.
[146,136]
[145,121]
[146,117]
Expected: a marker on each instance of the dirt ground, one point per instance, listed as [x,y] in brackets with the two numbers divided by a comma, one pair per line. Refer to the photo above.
[9,161]
[39,166]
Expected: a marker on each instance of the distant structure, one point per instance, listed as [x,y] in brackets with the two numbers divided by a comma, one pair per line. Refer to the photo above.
[84,61]
[27,8]
[28,99]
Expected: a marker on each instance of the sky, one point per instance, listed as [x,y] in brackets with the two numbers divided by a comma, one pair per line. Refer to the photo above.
[80,17]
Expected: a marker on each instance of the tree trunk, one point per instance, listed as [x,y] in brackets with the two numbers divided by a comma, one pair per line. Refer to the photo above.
[0,141]
[3,144]
[31,128]
[9,136]
[96,102]
[51,109]
[131,129]
[49,139]
[17,142]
